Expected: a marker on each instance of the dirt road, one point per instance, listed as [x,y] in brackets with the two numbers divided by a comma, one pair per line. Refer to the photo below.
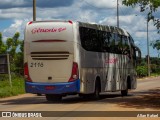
[145,98]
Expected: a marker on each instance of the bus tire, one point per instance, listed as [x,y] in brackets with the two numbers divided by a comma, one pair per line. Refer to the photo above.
[96,94]
[39,94]
[85,96]
[51,97]
[125,92]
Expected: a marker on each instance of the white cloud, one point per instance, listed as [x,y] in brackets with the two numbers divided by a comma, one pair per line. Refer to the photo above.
[17,26]
[101,3]
[95,11]
[140,34]
[15,13]
[112,20]
[10,2]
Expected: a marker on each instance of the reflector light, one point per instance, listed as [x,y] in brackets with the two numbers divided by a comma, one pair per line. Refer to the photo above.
[74,74]
[26,73]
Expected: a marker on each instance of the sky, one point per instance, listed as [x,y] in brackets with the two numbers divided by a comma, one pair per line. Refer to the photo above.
[14,14]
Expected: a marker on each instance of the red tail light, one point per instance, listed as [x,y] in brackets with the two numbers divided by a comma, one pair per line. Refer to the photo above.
[74,74]
[30,22]
[70,22]
[26,73]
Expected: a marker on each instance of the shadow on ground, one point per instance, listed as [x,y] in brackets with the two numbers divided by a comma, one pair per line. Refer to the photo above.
[138,100]
[145,99]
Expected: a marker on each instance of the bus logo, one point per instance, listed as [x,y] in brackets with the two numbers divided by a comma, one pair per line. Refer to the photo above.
[47,30]
[111,60]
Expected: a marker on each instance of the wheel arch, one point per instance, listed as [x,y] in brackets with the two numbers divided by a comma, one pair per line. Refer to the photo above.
[128,82]
[98,81]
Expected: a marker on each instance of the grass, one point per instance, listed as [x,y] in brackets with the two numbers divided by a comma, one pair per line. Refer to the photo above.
[17,86]
[155,74]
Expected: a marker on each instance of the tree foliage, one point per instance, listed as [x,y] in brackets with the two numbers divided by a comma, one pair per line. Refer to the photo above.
[3,47]
[141,71]
[154,66]
[150,6]
[156,44]
[14,47]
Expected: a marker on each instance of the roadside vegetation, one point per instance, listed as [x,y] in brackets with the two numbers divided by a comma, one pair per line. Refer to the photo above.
[17,86]
[14,47]
[154,67]
[150,8]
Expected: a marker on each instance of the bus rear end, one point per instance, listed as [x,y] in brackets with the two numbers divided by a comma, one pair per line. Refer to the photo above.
[49,65]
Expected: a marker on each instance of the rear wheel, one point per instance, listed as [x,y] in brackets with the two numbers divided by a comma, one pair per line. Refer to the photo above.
[51,97]
[85,96]
[38,94]
[124,92]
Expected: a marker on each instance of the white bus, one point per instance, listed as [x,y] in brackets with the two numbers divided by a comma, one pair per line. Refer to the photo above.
[65,58]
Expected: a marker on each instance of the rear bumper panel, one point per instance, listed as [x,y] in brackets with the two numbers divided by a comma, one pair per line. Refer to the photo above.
[53,88]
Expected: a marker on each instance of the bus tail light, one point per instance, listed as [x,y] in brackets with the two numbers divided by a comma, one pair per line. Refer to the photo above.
[74,74]
[70,22]
[30,22]
[26,73]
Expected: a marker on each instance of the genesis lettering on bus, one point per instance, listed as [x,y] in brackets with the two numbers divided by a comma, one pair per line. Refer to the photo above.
[40,30]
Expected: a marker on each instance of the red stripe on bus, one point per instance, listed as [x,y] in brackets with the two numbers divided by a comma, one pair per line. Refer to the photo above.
[49,41]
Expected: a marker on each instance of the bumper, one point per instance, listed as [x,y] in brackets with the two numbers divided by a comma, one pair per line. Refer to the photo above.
[55,88]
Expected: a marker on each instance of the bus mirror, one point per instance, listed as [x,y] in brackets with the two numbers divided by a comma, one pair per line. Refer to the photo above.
[139,57]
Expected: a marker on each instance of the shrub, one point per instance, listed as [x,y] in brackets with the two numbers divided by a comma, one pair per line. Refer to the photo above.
[141,71]
[17,86]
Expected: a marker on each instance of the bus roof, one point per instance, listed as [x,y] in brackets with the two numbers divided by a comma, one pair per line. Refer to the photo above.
[105,28]
[91,25]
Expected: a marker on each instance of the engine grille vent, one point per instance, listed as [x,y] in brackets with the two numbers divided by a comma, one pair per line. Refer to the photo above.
[62,55]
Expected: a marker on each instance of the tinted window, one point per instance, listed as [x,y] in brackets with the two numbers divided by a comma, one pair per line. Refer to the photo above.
[125,45]
[102,41]
[106,40]
[90,40]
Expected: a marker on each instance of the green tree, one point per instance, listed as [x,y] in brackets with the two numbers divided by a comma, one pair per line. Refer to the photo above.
[141,71]
[156,45]
[12,48]
[150,6]
[3,47]
[12,44]
[19,59]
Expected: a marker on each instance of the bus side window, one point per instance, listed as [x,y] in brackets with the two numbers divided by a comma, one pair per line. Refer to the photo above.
[100,40]
[133,49]
[133,55]
[105,41]
[95,40]
[109,36]
[125,46]
[119,44]
[90,40]
[85,38]
[112,43]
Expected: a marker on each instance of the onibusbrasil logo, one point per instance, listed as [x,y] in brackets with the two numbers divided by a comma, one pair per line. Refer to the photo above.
[21,114]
